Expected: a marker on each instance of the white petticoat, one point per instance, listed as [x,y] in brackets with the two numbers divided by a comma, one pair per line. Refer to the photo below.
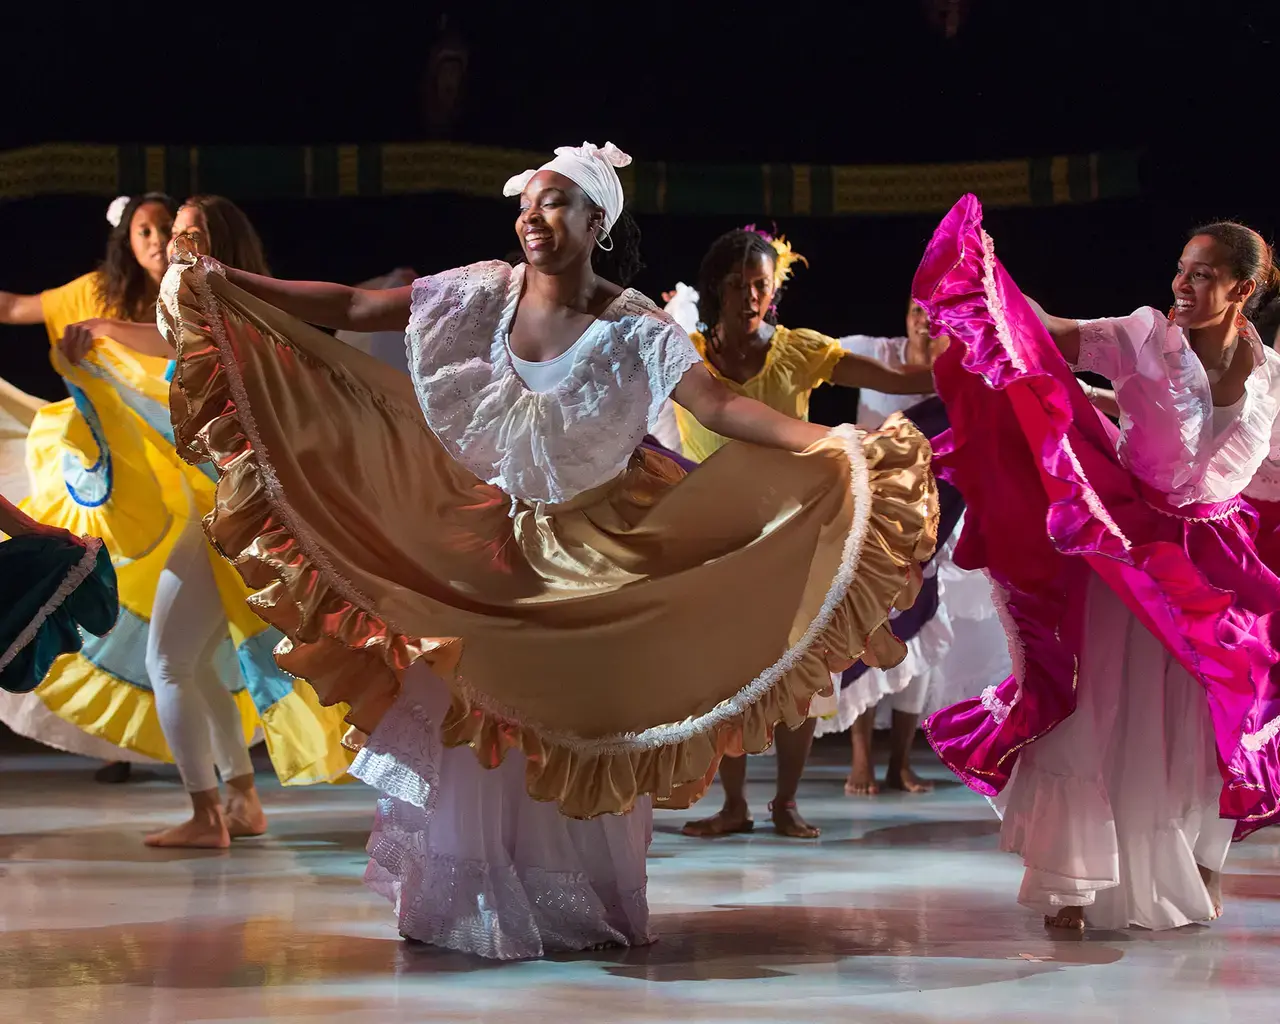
[1117,808]
[472,863]
[955,656]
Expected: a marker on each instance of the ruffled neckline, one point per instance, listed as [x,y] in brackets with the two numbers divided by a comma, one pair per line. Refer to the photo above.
[1238,444]
[500,354]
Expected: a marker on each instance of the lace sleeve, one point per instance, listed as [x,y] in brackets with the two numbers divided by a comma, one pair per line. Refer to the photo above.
[1108,346]
[667,354]
[448,311]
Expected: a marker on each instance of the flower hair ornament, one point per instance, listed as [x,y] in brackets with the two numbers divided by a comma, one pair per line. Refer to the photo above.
[115,212]
[786,256]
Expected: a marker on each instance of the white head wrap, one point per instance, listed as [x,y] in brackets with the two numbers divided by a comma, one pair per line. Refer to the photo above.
[591,168]
[116,210]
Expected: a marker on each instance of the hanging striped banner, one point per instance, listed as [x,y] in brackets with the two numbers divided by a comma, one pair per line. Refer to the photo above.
[818,190]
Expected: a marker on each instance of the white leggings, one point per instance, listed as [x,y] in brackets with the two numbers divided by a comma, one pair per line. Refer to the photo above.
[198,715]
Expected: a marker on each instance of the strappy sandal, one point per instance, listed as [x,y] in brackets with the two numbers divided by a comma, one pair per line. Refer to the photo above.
[800,829]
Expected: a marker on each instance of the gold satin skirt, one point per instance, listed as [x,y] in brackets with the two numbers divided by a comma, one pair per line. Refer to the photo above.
[623,642]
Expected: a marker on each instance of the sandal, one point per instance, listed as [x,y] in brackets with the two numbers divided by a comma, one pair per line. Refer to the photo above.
[798,828]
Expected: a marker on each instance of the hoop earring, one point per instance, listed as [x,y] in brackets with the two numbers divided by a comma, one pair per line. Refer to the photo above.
[599,242]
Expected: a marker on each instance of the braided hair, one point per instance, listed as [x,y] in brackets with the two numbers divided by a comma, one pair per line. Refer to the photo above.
[622,263]
[731,251]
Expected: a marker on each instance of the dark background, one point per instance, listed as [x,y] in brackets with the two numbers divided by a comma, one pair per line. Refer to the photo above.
[1194,86]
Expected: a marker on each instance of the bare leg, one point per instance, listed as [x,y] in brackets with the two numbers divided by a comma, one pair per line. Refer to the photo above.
[900,776]
[862,774]
[244,813]
[735,815]
[793,747]
[206,830]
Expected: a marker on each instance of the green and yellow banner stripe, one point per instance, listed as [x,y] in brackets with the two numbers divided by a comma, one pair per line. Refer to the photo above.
[817,190]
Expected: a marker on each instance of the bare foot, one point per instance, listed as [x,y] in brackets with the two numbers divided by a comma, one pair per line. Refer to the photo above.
[725,822]
[244,814]
[907,781]
[1213,882]
[861,781]
[787,821]
[197,834]
[1068,919]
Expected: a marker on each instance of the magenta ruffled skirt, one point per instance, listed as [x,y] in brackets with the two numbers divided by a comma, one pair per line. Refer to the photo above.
[1049,506]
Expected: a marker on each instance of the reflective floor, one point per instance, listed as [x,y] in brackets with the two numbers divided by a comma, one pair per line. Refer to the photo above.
[903,912]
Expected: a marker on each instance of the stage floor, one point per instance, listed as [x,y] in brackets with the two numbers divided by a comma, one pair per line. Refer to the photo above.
[904,911]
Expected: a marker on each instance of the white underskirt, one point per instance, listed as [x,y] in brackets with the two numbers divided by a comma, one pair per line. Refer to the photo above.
[956,655]
[473,864]
[1117,807]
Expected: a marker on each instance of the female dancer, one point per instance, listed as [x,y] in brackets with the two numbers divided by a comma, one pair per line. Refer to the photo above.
[162,682]
[955,642]
[750,354]
[464,557]
[191,622]
[23,712]
[1133,737]
[124,286]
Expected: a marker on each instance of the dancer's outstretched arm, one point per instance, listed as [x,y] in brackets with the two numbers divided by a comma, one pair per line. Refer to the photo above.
[855,371]
[20,309]
[739,418]
[337,306]
[1065,333]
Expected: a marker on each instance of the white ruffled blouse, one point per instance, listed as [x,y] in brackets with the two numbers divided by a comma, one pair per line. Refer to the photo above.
[1168,437]
[874,407]
[538,446]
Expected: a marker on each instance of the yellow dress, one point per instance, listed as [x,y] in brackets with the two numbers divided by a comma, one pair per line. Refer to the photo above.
[796,363]
[102,463]
[555,575]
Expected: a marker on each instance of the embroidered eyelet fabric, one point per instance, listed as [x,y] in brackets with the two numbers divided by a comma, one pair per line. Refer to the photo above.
[538,446]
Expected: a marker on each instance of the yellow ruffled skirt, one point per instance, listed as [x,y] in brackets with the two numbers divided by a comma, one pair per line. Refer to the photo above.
[623,642]
[102,464]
